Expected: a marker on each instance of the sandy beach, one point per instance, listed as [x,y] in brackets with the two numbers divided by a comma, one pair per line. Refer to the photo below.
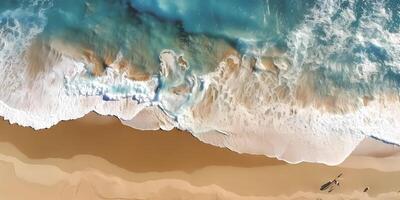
[96,157]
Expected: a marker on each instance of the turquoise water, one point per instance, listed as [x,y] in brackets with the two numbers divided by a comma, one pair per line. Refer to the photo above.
[141,31]
[257,20]
[351,45]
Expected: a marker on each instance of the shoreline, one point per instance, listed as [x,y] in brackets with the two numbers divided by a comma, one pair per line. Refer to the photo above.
[163,147]
[102,150]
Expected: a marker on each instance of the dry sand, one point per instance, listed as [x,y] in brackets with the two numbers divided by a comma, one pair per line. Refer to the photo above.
[98,158]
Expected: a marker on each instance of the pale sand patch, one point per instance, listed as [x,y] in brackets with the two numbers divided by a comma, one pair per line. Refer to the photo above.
[373,154]
[123,163]
[374,148]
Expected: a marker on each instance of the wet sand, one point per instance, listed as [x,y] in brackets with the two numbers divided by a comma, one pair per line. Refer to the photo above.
[98,158]
[134,150]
